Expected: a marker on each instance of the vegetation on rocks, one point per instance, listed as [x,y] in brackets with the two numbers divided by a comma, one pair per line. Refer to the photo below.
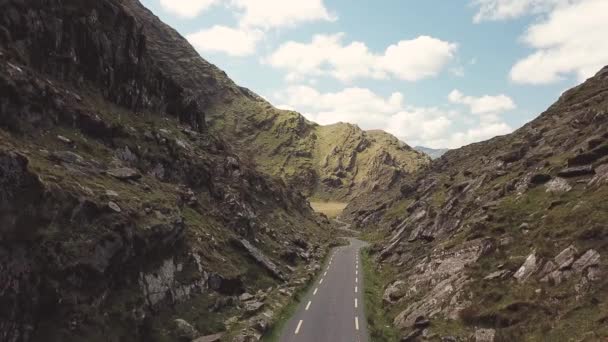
[123,217]
[503,240]
[326,163]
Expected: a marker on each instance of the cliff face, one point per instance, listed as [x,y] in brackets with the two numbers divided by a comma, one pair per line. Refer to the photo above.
[119,210]
[505,239]
[334,162]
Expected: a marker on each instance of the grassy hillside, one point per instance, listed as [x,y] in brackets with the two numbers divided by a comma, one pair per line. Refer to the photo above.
[335,162]
[122,216]
[506,239]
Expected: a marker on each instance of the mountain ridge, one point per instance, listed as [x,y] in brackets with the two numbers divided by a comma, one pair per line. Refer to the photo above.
[123,217]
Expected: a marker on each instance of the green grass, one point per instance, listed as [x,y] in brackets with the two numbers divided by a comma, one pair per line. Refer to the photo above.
[379,323]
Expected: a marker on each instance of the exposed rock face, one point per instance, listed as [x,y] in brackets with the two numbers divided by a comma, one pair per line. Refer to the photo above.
[504,239]
[334,162]
[117,205]
[527,269]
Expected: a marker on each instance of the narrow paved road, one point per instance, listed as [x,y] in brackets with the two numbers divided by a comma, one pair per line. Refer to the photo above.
[333,311]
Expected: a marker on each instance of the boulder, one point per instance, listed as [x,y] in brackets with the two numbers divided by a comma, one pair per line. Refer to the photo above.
[253,307]
[185,330]
[565,258]
[421,322]
[64,140]
[485,335]
[601,176]
[124,173]
[590,258]
[394,292]
[527,268]
[261,258]
[558,185]
[114,207]
[540,178]
[576,171]
[245,297]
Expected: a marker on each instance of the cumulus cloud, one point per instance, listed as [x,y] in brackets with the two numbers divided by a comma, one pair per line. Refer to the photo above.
[486,104]
[409,60]
[427,126]
[280,13]
[571,40]
[568,37]
[234,42]
[255,18]
[509,9]
[187,8]
[256,13]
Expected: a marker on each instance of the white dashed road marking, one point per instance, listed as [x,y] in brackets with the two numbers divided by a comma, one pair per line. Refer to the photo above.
[355,289]
[356,323]
[316,289]
[298,327]
[355,303]
[309,302]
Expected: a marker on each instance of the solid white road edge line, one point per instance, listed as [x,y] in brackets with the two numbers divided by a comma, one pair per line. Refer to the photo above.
[298,327]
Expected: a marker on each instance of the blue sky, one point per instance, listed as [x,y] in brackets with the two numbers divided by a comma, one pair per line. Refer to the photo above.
[440,73]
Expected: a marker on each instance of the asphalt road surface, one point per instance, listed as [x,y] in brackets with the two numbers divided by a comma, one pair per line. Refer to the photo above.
[333,311]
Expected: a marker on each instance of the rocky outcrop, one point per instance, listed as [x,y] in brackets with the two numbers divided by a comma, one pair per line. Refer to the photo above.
[262,259]
[117,204]
[334,162]
[536,198]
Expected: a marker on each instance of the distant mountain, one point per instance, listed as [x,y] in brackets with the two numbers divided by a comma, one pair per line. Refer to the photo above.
[434,153]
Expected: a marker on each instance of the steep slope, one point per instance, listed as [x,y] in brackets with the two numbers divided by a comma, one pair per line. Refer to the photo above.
[506,239]
[119,211]
[335,162]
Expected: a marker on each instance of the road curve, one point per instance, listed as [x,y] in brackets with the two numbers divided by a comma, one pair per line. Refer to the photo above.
[332,310]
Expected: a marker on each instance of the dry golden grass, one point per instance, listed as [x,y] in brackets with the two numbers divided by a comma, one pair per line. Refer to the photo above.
[331,209]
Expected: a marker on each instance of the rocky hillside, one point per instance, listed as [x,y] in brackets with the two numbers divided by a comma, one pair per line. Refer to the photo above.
[122,218]
[335,162]
[504,240]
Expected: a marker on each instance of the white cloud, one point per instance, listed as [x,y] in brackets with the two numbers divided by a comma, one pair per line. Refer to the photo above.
[427,126]
[280,13]
[234,42]
[187,8]
[410,60]
[569,37]
[485,104]
[571,40]
[255,18]
[509,9]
